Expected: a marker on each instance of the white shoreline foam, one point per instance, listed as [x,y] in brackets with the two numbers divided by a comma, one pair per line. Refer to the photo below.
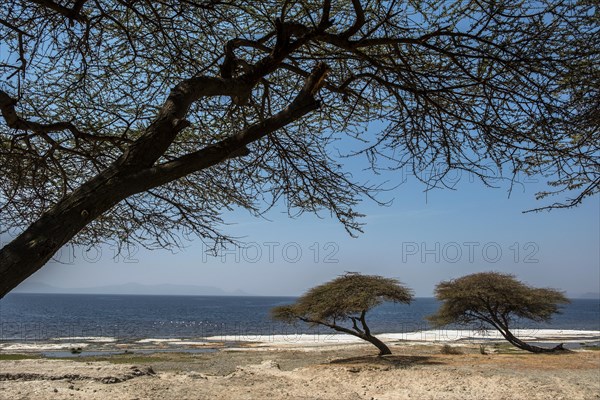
[190,343]
[563,335]
[94,339]
[316,339]
[41,346]
[153,340]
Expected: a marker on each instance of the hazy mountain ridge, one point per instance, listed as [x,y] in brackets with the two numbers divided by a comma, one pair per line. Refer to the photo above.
[173,289]
[130,288]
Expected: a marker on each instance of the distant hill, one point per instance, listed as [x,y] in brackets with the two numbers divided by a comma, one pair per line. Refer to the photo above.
[130,288]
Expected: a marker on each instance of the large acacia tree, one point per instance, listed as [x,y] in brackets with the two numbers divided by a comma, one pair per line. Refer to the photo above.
[133,120]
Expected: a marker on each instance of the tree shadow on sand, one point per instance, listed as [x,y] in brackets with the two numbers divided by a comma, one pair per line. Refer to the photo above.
[393,361]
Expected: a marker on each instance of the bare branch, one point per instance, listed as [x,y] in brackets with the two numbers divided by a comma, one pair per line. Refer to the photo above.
[358,22]
[7,107]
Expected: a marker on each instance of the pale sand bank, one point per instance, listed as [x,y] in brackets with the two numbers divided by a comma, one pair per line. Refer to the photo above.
[348,372]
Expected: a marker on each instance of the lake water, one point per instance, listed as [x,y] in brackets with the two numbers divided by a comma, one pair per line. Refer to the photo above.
[31,317]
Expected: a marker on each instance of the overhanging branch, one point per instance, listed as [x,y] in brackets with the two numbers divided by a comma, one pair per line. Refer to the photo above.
[235,145]
[73,14]
[358,22]
[14,121]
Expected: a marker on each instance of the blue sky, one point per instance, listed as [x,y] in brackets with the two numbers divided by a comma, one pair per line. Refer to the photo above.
[420,239]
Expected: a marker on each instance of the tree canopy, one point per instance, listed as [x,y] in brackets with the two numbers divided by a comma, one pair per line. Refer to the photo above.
[496,300]
[346,298]
[132,120]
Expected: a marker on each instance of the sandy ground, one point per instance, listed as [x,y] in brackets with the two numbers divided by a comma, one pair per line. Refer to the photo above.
[350,371]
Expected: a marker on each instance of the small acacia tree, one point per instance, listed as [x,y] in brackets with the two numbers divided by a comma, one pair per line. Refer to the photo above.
[346,298]
[497,300]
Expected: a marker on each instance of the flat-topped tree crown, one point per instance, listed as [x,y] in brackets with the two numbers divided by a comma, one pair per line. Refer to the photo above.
[349,294]
[346,298]
[498,300]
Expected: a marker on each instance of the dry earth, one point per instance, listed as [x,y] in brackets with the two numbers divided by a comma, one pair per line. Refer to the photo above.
[346,372]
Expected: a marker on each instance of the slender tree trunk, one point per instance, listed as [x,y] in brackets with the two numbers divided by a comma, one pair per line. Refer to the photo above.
[383,348]
[502,327]
[528,347]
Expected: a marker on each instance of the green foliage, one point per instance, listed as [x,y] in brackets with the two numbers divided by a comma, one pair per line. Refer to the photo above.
[494,298]
[284,313]
[348,295]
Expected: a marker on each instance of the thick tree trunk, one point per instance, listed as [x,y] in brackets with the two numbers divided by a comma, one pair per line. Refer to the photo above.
[32,249]
[134,172]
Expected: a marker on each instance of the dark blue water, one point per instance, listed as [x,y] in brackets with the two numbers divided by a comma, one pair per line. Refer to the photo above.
[46,316]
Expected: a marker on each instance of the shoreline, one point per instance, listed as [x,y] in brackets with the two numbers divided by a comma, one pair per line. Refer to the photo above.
[81,346]
[416,370]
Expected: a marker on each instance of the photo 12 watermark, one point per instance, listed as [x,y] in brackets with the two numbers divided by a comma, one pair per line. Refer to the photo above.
[470,252]
[273,252]
[454,176]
